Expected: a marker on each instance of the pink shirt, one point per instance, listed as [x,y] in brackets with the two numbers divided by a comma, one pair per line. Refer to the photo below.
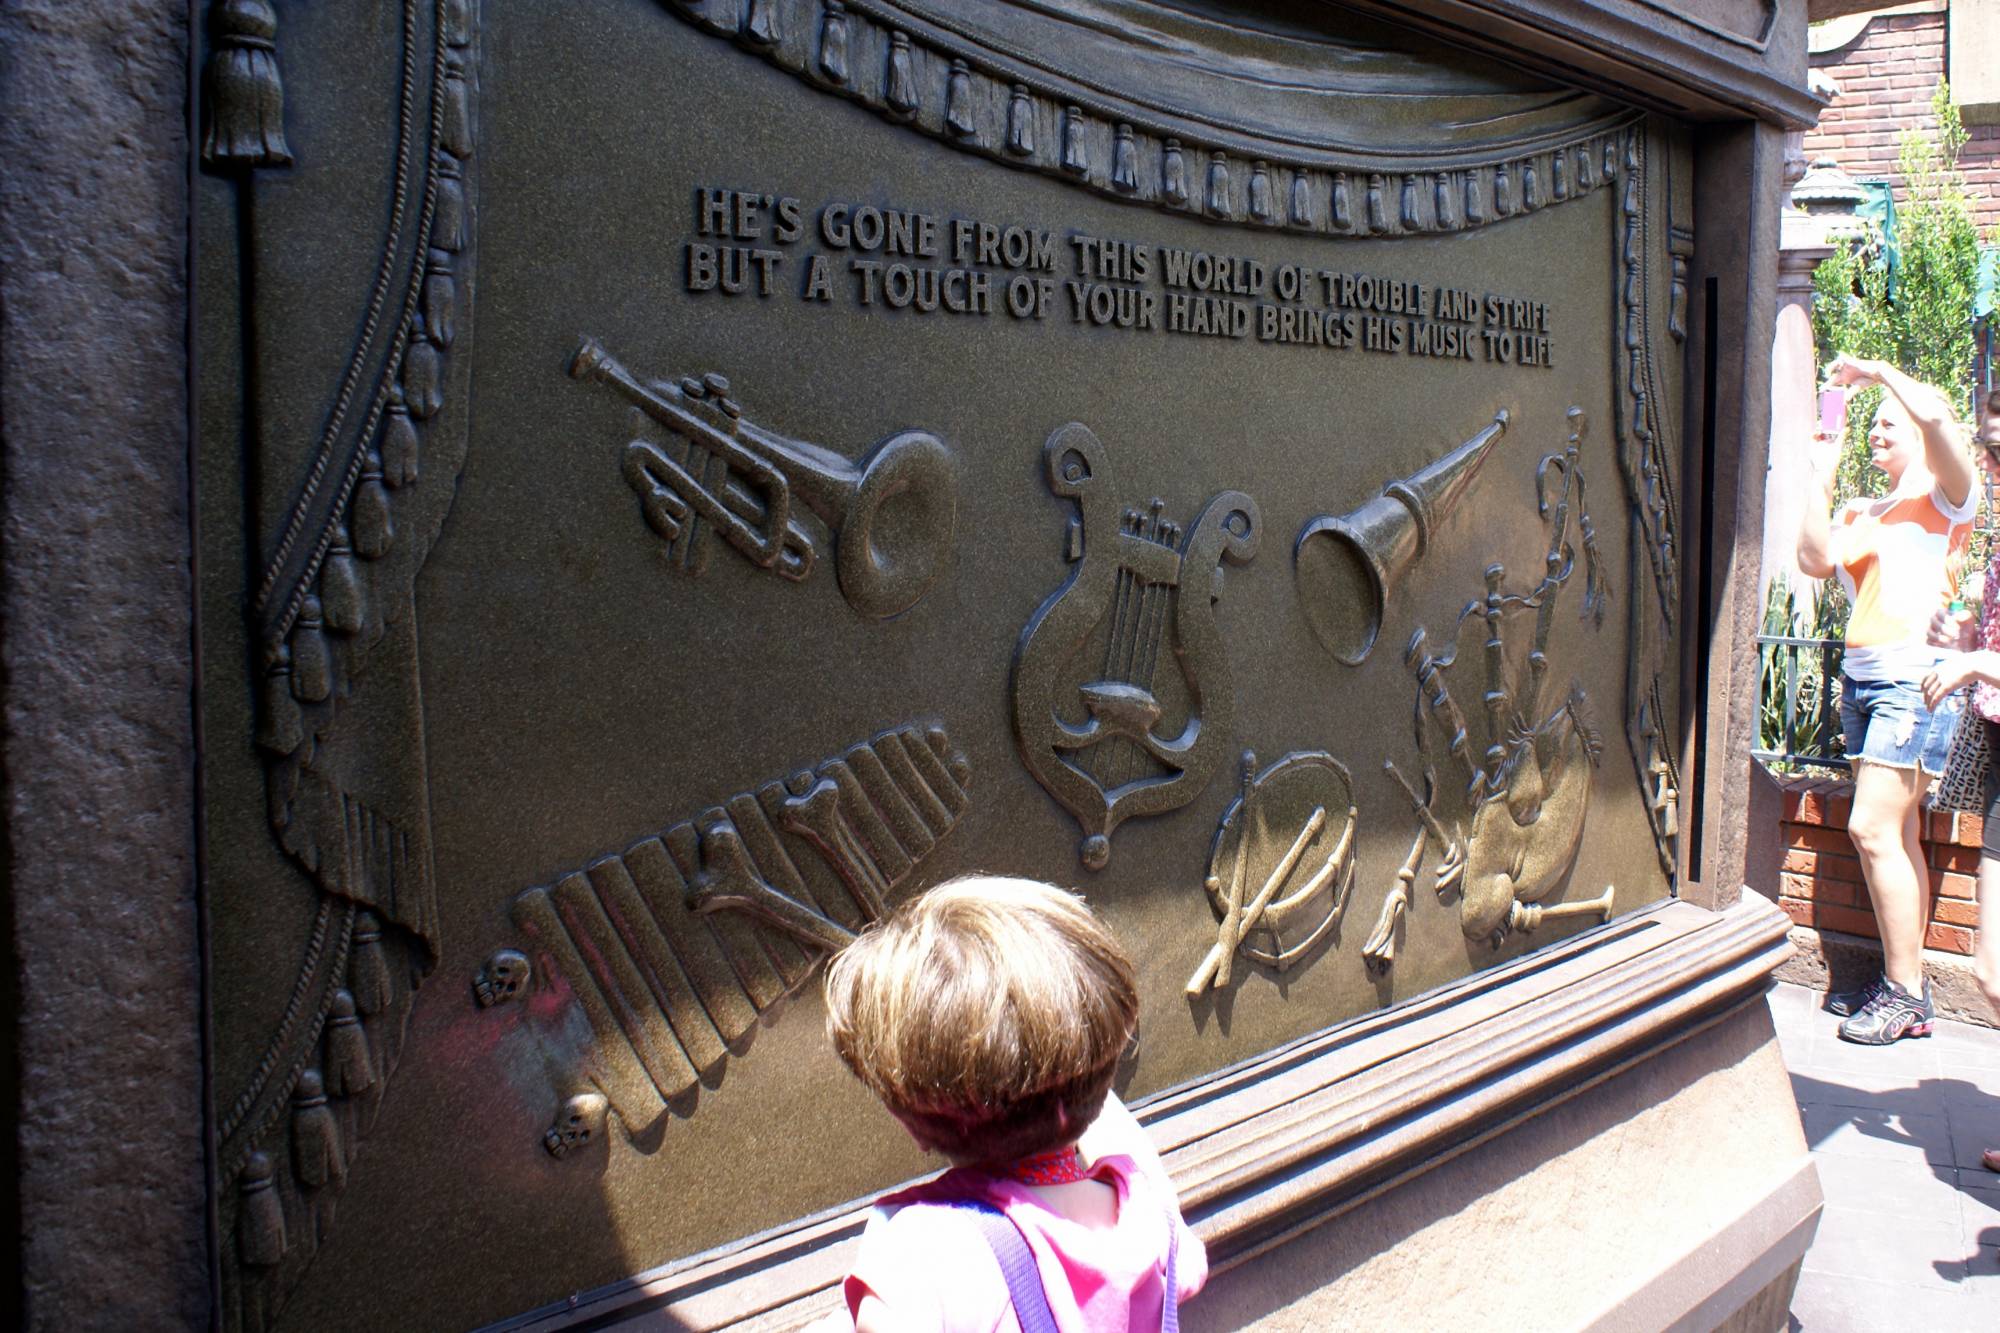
[934,1270]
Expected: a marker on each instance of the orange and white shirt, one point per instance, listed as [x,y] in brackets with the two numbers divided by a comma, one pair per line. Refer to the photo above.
[1897,558]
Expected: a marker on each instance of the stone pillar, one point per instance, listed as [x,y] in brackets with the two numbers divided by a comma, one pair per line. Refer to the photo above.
[1732,297]
[108,1132]
[1819,216]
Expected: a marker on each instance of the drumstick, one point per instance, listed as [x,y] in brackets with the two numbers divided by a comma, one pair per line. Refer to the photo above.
[1280,875]
[1212,967]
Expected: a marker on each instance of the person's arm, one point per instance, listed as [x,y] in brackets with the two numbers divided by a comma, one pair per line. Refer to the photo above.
[1930,412]
[1955,673]
[1816,545]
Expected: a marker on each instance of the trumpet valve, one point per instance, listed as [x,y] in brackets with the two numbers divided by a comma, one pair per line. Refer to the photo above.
[713,389]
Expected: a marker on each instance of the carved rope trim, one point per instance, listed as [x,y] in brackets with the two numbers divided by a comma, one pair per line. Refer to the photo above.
[260,1105]
[1648,474]
[997,103]
[295,522]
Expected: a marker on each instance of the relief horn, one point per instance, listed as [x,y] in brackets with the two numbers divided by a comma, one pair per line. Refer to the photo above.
[1347,566]
[893,514]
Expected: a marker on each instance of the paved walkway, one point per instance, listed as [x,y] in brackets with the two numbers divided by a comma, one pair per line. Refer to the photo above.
[1910,1239]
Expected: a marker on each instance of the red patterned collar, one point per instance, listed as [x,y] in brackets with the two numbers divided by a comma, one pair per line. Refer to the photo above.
[1063,1166]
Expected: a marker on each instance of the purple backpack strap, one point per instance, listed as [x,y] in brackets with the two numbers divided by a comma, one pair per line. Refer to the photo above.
[1017,1264]
[1024,1278]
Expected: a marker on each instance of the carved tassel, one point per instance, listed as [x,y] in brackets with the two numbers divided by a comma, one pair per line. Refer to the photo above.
[1475,202]
[1020,122]
[340,593]
[1262,208]
[1611,159]
[369,519]
[1075,155]
[1447,201]
[281,783]
[316,1158]
[312,664]
[1408,207]
[833,42]
[1531,187]
[1586,168]
[423,377]
[246,96]
[1559,175]
[1218,184]
[901,81]
[368,965]
[1343,208]
[448,223]
[279,728]
[457,23]
[1503,192]
[1377,221]
[456,131]
[398,445]
[260,1220]
[760,23]
[1677,305]
[1124,161]
[1302,200]
[349,1068]
[440,299]
[958,100]
[1173,174]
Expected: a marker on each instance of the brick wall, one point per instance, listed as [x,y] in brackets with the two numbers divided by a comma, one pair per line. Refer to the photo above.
[1886,77]
[1819,883]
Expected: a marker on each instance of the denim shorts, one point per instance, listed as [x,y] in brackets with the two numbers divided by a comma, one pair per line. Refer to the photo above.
[1885,722]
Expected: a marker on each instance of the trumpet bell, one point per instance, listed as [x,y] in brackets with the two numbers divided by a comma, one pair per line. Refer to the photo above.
[1346,566]
[897,532]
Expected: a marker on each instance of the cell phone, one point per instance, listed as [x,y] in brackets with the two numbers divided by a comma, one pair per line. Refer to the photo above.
[1833,411]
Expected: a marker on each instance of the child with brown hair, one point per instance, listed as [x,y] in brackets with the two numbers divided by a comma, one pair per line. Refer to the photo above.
[989,1016]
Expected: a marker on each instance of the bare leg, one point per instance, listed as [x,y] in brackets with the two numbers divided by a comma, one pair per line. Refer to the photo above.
[1884,828]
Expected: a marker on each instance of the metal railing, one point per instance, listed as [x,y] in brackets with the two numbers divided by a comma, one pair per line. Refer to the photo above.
[1798,701]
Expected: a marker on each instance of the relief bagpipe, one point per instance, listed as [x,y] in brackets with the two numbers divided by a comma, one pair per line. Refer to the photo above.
[1529,790]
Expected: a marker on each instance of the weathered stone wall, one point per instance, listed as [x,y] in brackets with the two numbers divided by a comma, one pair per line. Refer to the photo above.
[95,644]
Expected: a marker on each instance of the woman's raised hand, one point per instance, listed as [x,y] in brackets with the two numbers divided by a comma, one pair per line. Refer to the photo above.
[1848,371]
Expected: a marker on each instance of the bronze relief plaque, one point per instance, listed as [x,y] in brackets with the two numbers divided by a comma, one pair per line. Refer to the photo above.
[679,479]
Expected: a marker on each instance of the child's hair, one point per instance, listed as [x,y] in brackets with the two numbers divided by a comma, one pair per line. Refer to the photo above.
[988,1014]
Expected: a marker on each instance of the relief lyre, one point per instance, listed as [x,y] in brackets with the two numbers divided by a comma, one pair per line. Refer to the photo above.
[1157,584]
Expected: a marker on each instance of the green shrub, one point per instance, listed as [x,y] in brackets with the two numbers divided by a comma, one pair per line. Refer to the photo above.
[1923,326]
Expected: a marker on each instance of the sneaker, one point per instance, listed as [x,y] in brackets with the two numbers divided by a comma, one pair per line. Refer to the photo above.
[1893,1013]
[1847,1002]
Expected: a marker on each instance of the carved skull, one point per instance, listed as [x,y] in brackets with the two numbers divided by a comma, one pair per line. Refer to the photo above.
[502,978]
[580,1120]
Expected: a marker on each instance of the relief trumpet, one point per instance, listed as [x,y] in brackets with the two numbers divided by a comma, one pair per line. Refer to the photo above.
[893,515]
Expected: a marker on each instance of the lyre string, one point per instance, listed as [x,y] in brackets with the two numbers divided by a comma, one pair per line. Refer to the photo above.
[1131,607]
[1132,651]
